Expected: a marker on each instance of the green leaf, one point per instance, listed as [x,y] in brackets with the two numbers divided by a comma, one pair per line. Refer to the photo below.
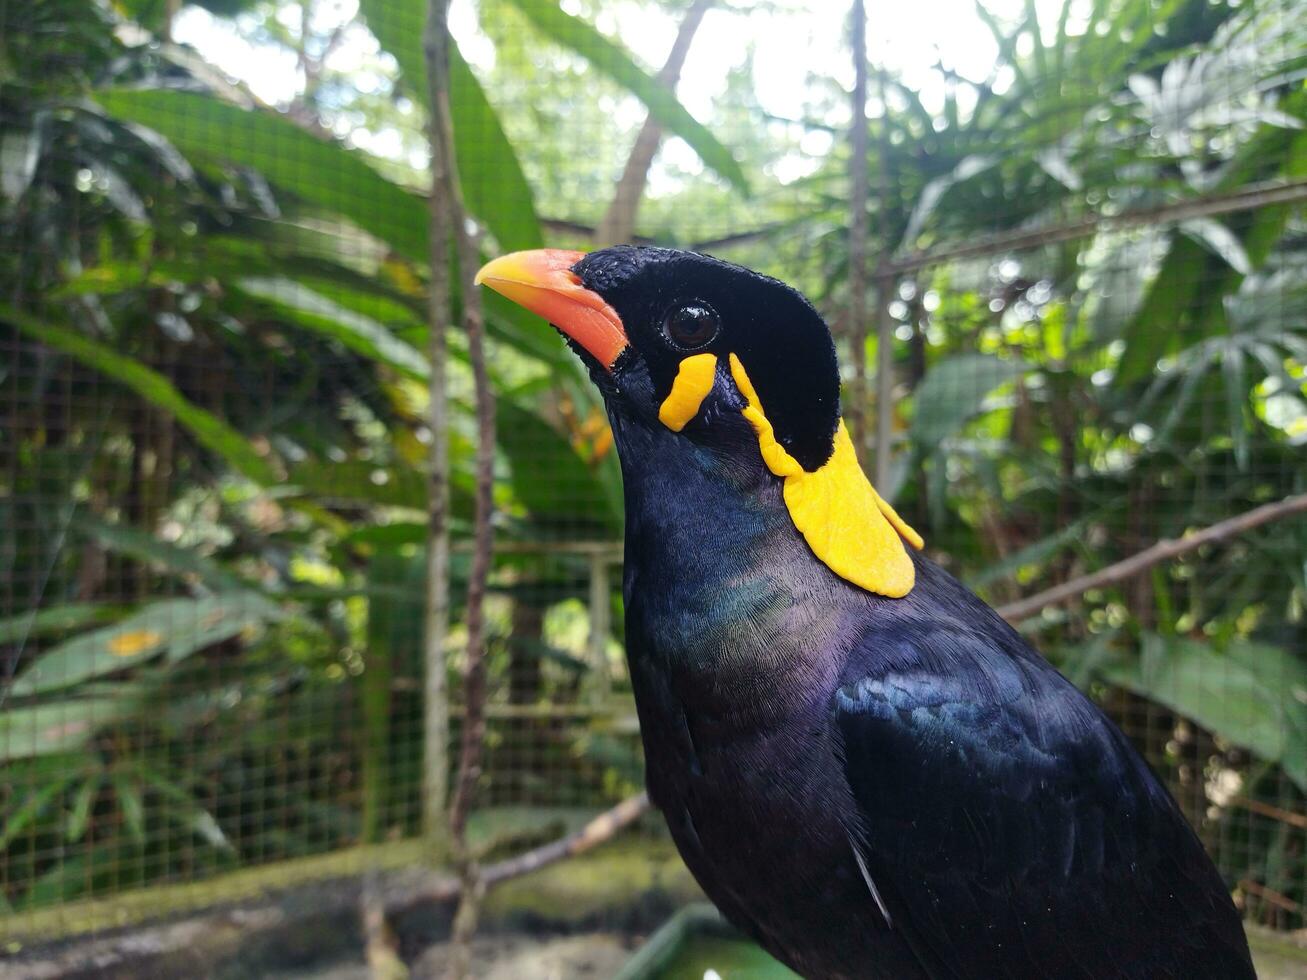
[1220,240]
[494,186]
[1184,290]
[361,334]
[20,152]
[357,481]
[184,809]
[131,805]
[210,430]
[1253,694]
[930,196]
[80,814]
[202,822]
[1083,661]
[32,807]
[491,177]
[549,478]
[1006,42]
[318,171]
[530,334]
[56,619]
[46,729]
[178,627]
[1035,553]
[1032,30]
[952,392]
[387,536]
[147,548]
[1235,377]
[610,59]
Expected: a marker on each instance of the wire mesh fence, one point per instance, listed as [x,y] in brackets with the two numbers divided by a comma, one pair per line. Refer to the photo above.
[1087,262]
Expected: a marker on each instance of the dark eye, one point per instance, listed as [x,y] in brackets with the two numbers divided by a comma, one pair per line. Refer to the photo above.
[691,325]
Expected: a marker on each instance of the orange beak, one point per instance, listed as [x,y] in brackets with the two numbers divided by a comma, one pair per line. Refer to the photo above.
[542,281]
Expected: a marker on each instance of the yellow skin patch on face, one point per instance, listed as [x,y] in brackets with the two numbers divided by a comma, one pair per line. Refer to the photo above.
[854,532]
[694,379]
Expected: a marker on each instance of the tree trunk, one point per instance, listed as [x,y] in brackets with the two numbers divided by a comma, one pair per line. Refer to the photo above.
[171,8]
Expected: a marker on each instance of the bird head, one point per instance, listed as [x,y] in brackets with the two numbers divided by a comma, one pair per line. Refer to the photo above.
[732,362]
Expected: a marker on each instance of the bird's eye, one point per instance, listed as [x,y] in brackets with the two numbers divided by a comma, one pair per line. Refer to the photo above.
[691,325]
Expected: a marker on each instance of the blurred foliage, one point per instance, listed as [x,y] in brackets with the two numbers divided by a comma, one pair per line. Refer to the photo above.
[213,437]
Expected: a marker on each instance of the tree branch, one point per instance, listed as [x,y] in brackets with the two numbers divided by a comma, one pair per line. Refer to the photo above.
[599,830]
[1246,198]
[474,674]
[1161,551]
[619,221]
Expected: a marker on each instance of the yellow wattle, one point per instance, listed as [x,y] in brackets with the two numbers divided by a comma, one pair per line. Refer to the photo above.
[846,523]
[694,379]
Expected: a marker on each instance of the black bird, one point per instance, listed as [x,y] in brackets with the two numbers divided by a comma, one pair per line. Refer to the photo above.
[864,766]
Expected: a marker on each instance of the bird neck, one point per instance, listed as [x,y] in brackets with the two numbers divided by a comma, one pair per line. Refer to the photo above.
[721,591]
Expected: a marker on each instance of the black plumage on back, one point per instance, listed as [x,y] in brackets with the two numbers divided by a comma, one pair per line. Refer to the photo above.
[870,786]
[1015,830]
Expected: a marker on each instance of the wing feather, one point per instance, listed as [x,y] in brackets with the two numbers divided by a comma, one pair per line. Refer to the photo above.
[1011,829]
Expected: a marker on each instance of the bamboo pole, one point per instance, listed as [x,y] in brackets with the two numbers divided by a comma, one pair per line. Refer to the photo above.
[435,721]
[856,410]
[1163,550]
[884,379]
[885,280]
[447,192]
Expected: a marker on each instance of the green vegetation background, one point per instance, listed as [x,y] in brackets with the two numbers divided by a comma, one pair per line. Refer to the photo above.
[212,437]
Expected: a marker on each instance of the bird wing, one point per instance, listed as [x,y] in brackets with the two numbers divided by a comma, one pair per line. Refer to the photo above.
[1007,825]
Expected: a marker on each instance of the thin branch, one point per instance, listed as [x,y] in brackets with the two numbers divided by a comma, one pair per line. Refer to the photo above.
[599,830]
[1246,198]
[742,237]
[449,188]
[1270,895]
[566,226]
[1162,551]
[1279,813]
[619,221]
[474,689]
